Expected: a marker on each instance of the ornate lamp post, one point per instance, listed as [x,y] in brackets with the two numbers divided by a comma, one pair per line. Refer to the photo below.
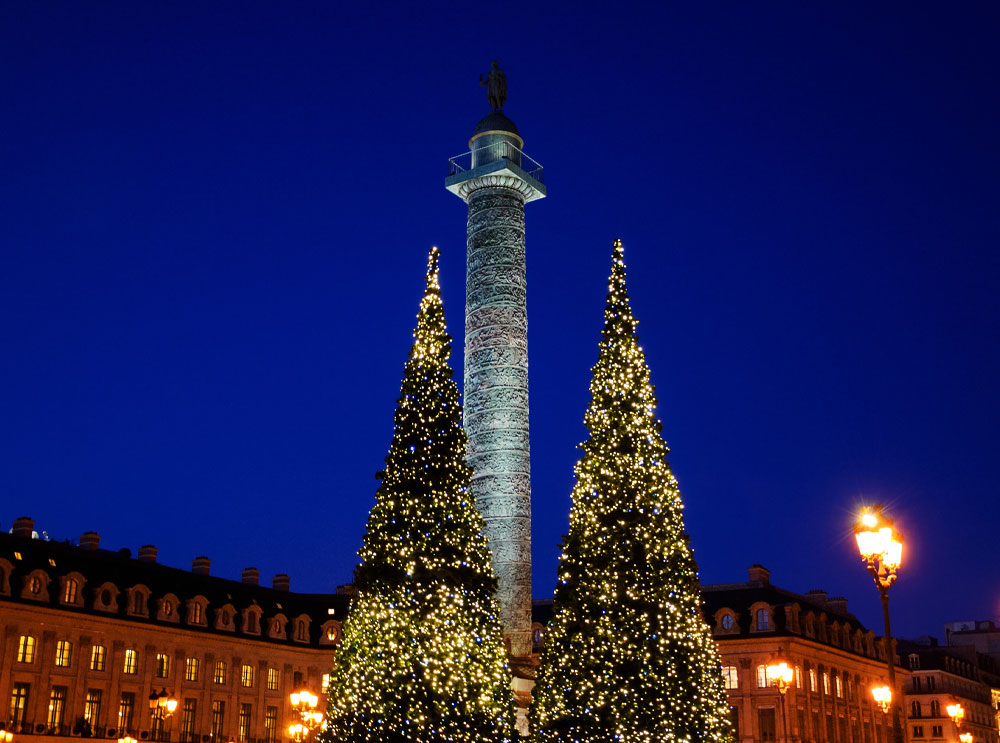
[780,674]
[6,736]
[883,698]
[965,737]
[957,714]
[881,548]
[304,703]
[161,705]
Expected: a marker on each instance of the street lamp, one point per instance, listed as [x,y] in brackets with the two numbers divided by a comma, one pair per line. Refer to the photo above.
[965,737]
[304,703]
[883,698]
[160,705]
[881,548]
[780,674]
[957,713]
[6,736]
[127,739]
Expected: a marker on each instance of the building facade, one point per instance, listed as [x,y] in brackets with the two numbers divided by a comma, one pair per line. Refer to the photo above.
[89,636]
[835,661]
[943,676]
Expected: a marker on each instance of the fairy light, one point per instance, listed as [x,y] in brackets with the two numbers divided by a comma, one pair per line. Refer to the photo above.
[422,655]
[627,655]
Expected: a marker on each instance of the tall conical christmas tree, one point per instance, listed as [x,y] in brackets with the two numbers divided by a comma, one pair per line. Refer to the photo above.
[422,656]
[627,655]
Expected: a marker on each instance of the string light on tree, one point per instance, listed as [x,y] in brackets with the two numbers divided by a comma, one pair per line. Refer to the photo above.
[422,656]
[627,656]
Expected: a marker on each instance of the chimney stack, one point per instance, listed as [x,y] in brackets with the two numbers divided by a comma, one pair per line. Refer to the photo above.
[818,597]
[90,540]
[200,565]
[281,582]
[147,553]
[759,574]
[250,576]
[837,604]
[23,527]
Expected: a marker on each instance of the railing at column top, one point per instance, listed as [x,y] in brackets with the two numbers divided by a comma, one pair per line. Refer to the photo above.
[492,153]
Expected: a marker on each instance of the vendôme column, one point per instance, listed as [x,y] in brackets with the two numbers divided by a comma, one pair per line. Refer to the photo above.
[496,179]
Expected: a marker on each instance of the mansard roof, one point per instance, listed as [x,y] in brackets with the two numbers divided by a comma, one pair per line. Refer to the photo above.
[100,566]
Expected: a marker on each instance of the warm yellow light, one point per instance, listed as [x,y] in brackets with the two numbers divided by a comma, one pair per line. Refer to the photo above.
[295,699]
[171,706]
[781,675]
[869,519]
[893,556]
[956,712]
[965,737]
[882,696]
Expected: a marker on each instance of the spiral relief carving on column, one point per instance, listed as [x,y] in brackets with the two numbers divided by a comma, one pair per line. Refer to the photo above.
[496,390]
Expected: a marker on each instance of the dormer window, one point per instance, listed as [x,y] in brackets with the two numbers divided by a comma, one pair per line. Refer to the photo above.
[36,586]
[762,617]
[167,609]
[70,589]
[727,622]
[138,597]
[106,597]
[914,661]
[196,611]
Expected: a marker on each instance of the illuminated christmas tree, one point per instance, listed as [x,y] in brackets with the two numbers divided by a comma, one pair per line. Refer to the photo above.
[422,656]
[627,655]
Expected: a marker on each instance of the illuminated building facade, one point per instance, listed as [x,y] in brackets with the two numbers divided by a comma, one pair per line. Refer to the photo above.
[835,661]
[88,635]
[941,677]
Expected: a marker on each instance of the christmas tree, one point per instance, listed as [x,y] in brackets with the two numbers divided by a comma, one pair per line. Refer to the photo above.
[627,655]
[422,656]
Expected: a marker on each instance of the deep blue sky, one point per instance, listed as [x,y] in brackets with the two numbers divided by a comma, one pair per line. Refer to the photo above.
[214,219]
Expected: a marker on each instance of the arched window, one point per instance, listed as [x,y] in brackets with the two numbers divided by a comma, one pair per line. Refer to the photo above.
[64,653]
[914,708]
[70,589]
[26,649]
[935,708]
[761,676]
[301,633]
[763,620]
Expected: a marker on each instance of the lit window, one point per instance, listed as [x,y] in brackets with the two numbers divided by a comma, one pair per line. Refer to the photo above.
[271,725]
[57,709]
[219,677]
[26,649]
[798,677]
[301,633]
[162,665]
[18,703]
[130,661]
[35,585]
[761,676]
[763,620]
[126,706]
[812,680]
[69,591]
[187,720]
[218,716]
[331,634]
[731,677]
[98,657]
[191,669]
[838,686]
[272,679]
[326,682]
[826,684]
[246,676]
[244,721]
[64,653]
[196,614]
[92,707]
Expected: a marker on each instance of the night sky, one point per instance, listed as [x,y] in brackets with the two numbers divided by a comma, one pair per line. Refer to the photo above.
[214,222]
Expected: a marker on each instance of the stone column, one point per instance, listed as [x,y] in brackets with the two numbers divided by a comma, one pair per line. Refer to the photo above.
[496,390]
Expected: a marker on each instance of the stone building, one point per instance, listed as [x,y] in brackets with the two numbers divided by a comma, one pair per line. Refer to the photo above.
[836,662]
[89,635]
[943,676]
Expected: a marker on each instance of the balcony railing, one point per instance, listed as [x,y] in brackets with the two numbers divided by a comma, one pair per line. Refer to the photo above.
[492,153]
